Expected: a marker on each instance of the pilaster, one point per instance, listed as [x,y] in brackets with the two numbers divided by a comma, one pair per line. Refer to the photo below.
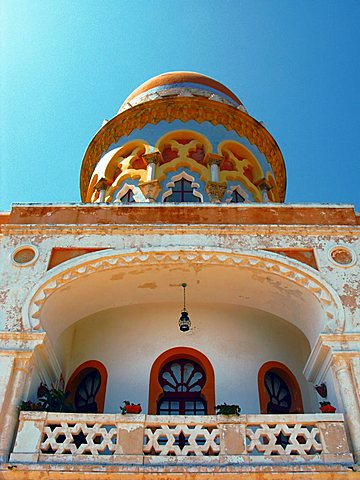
[16,361]
[341,353]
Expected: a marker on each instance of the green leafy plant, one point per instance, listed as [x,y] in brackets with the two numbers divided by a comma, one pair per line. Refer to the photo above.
[128,407]
[50,400]
[225,409]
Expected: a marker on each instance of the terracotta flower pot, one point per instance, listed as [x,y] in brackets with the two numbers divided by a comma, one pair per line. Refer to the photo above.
[133,408]
[328,409]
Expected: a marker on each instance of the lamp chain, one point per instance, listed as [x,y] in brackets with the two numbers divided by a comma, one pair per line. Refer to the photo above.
[184,287]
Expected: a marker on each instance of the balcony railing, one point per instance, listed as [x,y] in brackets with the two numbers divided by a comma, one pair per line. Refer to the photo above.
[304,440]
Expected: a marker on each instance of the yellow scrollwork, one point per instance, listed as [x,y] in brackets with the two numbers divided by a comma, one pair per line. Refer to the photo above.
[184,109]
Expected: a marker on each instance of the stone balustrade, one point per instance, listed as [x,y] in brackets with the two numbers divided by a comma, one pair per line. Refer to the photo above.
[307,440]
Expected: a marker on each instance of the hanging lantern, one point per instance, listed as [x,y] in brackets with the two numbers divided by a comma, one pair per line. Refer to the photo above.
[184,321]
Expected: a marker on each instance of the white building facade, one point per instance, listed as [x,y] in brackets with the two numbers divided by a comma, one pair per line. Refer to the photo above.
[181,187]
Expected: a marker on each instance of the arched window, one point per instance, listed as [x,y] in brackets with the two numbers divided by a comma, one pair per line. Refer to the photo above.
[128,197]
[182,382]
[87,387]
[279,391]
[86,391]
[126,194]
[182,191]
[236,197]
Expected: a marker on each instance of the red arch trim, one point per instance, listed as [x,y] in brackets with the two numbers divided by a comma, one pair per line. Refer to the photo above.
[289,378]
[80,373]
[155,389]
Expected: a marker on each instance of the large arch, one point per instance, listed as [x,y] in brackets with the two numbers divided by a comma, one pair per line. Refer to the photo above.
[293,291]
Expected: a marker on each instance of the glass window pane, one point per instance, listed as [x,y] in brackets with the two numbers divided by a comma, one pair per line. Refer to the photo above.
[176,378]
[175,197]
[188,370]
[176,370]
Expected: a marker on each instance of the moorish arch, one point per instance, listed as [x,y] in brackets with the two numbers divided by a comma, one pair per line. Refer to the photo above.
[179,354]
[92,282]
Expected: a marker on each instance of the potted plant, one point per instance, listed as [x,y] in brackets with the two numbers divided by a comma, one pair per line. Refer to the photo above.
[321,390]
[326,407]
[50,400]
[130,407]
[225,409]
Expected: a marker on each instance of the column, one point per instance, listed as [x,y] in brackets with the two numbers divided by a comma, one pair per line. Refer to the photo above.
[14,392]
[130,438]
[264,188]
[151,187]
[214,161]
[264,194]
[152,159]
[214,188]
[101,186]
[342,370]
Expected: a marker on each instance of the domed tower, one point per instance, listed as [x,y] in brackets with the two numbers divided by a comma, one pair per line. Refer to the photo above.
[183,137]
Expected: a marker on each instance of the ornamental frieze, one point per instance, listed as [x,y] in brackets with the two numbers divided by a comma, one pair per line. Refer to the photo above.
[183,109]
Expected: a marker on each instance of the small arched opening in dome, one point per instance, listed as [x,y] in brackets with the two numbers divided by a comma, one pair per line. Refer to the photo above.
[245,167]
[236,195]
[182,188]
[126,194]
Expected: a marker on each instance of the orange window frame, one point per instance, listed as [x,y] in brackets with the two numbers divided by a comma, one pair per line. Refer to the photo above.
[80,373]
[155,389]
[289,378]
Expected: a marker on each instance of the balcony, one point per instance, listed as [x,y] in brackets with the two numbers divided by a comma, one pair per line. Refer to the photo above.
[149,443]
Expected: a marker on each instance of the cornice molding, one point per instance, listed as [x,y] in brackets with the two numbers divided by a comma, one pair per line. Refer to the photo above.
[20,343]
[327,347]
[184,109]
[168,229]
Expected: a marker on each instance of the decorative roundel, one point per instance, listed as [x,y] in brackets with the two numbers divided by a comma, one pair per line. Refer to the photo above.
[24,255]
[342,256]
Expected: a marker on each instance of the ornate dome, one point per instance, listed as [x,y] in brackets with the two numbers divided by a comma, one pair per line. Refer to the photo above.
[173,84]
[183,137]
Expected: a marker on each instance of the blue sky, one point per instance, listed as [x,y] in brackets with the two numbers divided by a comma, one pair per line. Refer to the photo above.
[67,65]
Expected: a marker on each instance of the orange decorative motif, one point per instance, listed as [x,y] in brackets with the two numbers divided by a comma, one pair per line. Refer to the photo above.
[168,154]
[138,163]
[61,255]
[227,164]
[198,155]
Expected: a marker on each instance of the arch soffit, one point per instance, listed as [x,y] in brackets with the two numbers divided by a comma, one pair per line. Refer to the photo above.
[268,262]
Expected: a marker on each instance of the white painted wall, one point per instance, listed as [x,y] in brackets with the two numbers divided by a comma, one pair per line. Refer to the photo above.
[236,340]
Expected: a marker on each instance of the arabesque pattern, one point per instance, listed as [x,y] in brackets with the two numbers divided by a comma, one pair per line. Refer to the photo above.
[79,438]
[283,438]
[183,109]
[182,439]
[142,439]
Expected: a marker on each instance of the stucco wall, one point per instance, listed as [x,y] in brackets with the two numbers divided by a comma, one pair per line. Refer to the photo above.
[236,340]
